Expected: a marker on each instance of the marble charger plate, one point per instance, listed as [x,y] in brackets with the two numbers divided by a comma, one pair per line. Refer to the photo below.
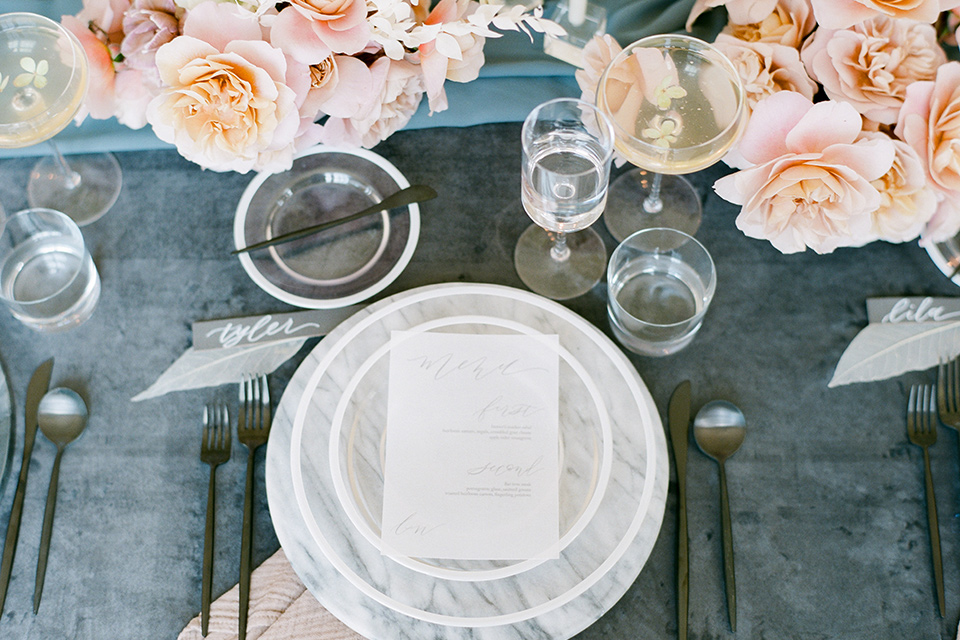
[340,266]
[324,479]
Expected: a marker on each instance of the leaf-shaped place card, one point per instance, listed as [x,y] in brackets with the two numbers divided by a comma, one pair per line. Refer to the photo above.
[883,350]
[196,369]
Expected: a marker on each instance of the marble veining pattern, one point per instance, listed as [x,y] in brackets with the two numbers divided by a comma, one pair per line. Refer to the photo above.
[555,599]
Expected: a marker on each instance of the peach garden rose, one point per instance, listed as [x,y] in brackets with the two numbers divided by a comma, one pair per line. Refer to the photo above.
[811,183]
[230,100]
[871,64]
[929,121]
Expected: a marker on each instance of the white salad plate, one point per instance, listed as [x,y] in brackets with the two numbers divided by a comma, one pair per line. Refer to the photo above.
[325,478]
[340,266]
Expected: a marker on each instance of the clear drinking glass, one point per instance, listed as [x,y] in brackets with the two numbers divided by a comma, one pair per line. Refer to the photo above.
[43,80]
[47,276]
[660,284]
[567,148]
[677,106]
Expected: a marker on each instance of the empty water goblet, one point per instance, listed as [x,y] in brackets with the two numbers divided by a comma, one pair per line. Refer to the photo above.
[567,148]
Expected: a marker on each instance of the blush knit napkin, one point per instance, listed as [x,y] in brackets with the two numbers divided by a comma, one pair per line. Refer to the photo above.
[280,608]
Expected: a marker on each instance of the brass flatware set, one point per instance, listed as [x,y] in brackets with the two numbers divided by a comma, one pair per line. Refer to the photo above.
[60,414]
[718,429]
[253,429]
[926,407]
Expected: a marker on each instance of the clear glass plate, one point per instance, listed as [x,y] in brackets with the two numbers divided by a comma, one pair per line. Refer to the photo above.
[340,266]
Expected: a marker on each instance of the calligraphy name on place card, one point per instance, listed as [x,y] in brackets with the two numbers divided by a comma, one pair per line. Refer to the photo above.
[913,309]
[271,327]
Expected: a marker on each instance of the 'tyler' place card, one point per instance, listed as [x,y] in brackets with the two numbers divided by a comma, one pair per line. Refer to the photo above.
[472,469]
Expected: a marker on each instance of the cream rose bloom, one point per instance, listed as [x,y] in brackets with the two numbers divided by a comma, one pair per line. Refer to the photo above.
[906,202]
[229,108]
[739,11]
[930,123]
[840,14]
[871,64]
[789,24]
[397,92]
[811,185]
[765,69]
[597,55]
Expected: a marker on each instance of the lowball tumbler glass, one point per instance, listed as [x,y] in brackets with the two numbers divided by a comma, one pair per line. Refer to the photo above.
[47,276]
[661,282]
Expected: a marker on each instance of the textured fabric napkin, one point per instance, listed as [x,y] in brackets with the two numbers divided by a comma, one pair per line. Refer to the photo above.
[280,608]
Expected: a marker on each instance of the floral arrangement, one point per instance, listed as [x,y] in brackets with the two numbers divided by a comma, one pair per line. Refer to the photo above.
[240,85]
[853,132]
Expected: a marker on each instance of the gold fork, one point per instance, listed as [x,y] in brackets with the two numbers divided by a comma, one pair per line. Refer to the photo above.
[948,393]
[922,431]
[253,429]
[214,451]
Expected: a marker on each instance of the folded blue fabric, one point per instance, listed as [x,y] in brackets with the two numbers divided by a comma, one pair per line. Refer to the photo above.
[516,77]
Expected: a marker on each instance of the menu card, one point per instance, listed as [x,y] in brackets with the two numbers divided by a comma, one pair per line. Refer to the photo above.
[472,467]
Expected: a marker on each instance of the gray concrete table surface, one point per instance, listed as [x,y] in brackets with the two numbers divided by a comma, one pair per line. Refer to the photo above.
[826,494]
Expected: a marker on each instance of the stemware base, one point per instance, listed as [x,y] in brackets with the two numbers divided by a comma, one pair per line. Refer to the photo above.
[85,200]
[582,268]
[625,214]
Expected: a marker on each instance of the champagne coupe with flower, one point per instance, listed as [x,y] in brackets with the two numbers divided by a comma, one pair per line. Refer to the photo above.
[567,149]
[43,80]
[677,106]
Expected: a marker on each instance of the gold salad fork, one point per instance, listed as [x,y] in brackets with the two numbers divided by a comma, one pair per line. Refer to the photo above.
[253,428]
[214,450]
[948,393]
[922,431]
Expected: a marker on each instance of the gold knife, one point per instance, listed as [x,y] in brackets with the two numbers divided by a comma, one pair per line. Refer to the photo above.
[39,383]
[678,417]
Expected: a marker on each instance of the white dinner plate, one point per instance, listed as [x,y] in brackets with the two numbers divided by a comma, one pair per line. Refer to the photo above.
[340,266]
[324,479]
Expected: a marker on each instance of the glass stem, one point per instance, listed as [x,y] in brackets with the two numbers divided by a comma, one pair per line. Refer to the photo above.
[71,179]
[652,203]
[560,252]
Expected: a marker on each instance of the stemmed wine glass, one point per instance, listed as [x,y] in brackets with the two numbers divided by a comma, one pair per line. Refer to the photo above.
[677,106]
[567,148]
[43,80]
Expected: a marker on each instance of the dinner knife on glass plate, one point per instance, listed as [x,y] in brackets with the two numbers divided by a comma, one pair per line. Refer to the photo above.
[678,418]
[39,383]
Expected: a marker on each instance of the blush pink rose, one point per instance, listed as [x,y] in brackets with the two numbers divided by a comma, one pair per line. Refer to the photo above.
[398,91]
[739,11]
[945,223]
[840,14]
[765,69]
[342,87]
[459,58]
[148,25]
[789,24]
[811,183]
[229,100]
[597,55]
[930,123]
[310,30]
[100,101]
[871,64]
[906,202]
[107,15]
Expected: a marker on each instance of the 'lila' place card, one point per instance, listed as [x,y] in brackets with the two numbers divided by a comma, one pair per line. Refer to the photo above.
[472,467]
